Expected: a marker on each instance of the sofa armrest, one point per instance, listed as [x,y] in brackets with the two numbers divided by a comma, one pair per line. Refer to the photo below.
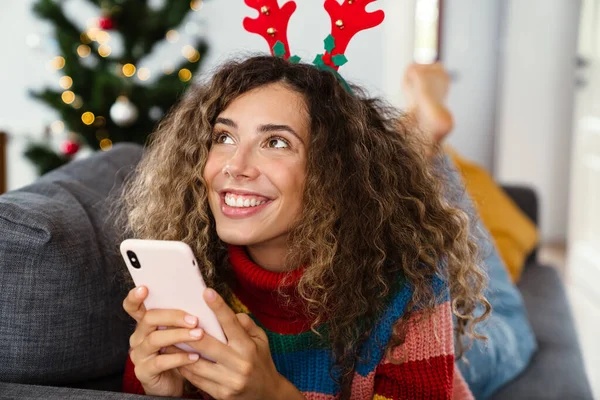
[527,200]
[37,392]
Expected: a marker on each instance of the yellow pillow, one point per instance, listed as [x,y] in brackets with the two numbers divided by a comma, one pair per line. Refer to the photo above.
[513,232]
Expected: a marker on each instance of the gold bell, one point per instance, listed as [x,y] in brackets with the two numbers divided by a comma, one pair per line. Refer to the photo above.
[271,31]
[339,23]
[265,10]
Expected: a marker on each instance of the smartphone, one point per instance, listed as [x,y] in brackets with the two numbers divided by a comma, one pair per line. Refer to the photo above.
[170,272]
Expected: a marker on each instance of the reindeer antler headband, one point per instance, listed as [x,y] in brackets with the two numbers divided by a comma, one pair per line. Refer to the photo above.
[347,19]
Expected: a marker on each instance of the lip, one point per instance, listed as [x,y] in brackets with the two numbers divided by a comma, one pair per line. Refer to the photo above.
[241,212]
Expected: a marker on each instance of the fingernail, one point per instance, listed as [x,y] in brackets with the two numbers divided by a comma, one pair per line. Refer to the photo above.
[210,294]
[162,350]
[197,333]
[190,319]
[193,356]
[138,291]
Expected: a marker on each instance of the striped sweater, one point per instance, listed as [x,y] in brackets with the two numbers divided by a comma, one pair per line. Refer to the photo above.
[426,370]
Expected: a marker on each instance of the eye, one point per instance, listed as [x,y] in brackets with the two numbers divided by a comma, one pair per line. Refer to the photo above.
[222,138]
[276,142]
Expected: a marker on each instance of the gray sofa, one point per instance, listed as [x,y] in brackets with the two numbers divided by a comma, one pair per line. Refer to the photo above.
[63,334]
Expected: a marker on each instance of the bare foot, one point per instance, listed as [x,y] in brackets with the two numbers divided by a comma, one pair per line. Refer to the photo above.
[426,87]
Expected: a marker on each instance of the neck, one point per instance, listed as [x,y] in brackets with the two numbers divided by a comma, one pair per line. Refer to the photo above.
[268,256]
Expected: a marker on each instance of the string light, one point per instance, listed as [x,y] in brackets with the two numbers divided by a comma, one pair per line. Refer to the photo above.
[102,37]
[172,36]
[57,126]
[68,97]
[190,53]
[100,121]
[143,74]
[104,50]
[185,74]
[92,33]
[78,103]
[83,50]
[196,5]
[128,70]
[57,62]
[105,144]
[88,118]
[65,82]
[84,38]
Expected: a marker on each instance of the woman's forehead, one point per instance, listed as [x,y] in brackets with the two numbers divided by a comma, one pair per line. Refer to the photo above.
[270,104]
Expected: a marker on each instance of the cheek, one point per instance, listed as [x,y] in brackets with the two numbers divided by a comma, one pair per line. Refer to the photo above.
[211,169]
[291,179]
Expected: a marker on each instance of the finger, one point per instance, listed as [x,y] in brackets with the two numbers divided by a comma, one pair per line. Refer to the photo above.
[216,351]
[214,389]
[207,371]
[225,315]
[134,302]
[158,339]
[172,318]
[164,362]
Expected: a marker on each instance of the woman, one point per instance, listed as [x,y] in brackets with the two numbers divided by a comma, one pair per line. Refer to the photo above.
[311,209]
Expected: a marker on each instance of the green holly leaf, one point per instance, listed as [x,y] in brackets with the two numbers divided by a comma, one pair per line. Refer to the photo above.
[294,59]
[279,49]
[319,60]
[339,60]
[329,43]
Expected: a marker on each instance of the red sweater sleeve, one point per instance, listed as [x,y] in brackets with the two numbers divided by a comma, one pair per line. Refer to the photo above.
[423,366]
[131,384]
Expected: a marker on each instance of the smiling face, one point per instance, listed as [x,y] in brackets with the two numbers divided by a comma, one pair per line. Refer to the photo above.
[256,169]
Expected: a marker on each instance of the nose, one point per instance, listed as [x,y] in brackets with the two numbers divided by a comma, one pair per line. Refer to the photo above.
[242,164]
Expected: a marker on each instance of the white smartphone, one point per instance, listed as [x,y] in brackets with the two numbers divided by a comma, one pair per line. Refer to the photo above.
[170,272]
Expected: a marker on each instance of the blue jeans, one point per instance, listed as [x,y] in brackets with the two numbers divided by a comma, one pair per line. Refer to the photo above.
[488,365]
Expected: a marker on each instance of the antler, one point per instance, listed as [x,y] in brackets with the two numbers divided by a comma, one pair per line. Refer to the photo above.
[272,23]
[347,19]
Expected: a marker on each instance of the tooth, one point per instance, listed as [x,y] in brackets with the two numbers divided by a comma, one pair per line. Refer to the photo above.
[252,202]
[239,202]
[247,203]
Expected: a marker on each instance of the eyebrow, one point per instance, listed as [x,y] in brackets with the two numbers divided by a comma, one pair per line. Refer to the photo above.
[267,128]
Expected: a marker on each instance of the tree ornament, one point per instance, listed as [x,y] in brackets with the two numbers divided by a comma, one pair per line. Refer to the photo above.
[123,112]
[106,23]
[69,147]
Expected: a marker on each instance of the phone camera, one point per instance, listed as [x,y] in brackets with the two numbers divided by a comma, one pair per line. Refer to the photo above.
[135,263]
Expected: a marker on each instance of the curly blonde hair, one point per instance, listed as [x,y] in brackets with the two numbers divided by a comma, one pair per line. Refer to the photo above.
[373,207]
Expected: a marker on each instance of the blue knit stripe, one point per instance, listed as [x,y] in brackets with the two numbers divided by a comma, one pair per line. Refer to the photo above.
[373,349]
[308,370]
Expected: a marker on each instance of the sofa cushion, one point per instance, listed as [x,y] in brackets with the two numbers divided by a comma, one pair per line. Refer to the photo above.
[62,320]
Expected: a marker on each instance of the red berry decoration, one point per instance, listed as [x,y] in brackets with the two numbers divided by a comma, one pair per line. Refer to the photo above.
[106,23]
[70,147]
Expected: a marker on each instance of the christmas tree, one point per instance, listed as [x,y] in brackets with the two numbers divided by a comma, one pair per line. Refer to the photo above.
[105,97]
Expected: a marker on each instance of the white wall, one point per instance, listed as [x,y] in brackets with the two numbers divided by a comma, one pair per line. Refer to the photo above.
[535,114]
[470,51]
[379,68]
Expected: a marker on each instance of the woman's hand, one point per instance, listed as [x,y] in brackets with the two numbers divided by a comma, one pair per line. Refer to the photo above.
[243,368]
[157,372]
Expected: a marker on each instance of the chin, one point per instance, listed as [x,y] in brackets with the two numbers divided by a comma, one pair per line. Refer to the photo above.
[234,237]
